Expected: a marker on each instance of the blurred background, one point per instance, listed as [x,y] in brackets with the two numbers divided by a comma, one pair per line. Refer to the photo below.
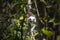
[14,24]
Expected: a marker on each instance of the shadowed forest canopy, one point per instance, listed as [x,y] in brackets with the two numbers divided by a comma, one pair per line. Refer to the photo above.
[14,24]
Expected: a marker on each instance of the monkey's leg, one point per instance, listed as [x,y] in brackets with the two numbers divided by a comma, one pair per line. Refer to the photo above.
[32,29]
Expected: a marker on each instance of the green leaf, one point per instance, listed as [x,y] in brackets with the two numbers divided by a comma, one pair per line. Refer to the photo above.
[47,32]
[52,20]
[24,9]
[29,38]
[43,1]
[21,18]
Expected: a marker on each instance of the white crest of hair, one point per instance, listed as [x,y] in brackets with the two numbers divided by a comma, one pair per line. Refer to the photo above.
[32,18]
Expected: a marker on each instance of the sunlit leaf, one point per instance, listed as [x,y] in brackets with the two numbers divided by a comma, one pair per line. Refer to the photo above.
[51,20]
[47,32]
[29,38]
[43,1]
[19,34]
[21,6]
[24,9]
[24,28]
[21,18]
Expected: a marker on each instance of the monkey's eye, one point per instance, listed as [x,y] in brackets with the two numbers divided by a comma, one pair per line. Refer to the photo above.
[30,20]
[34,20]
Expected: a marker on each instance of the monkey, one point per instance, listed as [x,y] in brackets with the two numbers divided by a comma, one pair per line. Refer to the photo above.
[32,21]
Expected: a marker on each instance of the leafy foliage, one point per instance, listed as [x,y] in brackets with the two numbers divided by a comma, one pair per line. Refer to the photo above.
[13,22]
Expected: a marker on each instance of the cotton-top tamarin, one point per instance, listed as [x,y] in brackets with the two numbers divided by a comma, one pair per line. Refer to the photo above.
[31,17]
[32,20]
